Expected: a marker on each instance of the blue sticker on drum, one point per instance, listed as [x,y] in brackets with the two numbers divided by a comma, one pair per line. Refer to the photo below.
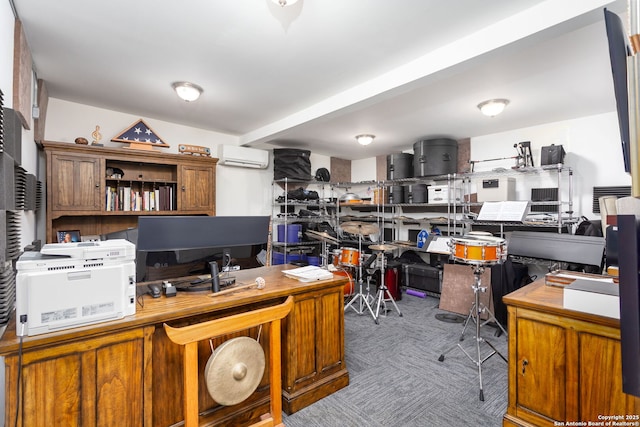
[423,235]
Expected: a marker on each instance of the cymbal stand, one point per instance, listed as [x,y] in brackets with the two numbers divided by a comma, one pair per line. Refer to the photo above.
[383,294]
[477,308]
[360,296]
[325,254]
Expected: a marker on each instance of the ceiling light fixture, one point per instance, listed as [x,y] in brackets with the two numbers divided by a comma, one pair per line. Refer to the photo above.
[187,91]
[493,107]
[365,139]
[284,3]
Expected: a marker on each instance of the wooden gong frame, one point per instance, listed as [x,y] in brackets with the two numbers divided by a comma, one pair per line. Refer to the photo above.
[189,336]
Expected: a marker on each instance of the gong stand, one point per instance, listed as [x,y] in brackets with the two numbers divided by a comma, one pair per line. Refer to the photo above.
[360,296]
[477,309]
[189,336]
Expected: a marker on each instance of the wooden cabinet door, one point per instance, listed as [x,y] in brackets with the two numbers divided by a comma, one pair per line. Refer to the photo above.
[76,183]
[600,387]
[96,382]
[313,349]
[541,370]
[197,188]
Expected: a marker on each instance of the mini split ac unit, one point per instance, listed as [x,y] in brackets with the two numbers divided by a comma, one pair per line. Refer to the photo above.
[232,155]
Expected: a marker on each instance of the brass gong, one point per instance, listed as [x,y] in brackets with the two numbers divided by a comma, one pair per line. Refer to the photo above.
[234,370]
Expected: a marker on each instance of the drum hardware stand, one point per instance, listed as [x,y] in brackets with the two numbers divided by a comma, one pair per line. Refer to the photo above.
[477,308]
[360,296]
[523,158]
[383,291]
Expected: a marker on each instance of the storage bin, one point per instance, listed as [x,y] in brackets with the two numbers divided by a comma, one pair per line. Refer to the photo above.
[278,258]
[293,233]
[438,194]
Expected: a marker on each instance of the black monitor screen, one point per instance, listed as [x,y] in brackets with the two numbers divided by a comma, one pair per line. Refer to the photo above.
[618,52]
[176,246]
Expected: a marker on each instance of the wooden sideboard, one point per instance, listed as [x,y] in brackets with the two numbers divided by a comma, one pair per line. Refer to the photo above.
[564,365]
[128,372]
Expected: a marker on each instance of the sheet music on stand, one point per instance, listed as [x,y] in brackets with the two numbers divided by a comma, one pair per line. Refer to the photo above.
[310,273]
[439,245]
[512,211]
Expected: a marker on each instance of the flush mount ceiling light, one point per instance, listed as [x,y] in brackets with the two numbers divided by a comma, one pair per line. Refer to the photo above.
[365,139]
[284,3]
[187,91]
[493,107]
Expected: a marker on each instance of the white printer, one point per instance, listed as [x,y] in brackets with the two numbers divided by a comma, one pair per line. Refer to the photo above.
[74,284]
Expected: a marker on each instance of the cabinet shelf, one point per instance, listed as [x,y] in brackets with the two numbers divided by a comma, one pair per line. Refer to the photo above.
[142,181]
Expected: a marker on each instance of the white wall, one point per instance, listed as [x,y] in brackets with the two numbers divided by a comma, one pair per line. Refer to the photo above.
[593,152]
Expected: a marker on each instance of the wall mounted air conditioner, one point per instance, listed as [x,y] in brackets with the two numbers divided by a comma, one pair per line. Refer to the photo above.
[232,155]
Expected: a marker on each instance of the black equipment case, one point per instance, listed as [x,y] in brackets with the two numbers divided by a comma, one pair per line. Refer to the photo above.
[292,163]
[399,166]
[552,155]
[435,157]
[423,277]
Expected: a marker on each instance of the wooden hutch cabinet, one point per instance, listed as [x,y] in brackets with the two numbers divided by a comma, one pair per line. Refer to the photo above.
[98,190]
[564,365]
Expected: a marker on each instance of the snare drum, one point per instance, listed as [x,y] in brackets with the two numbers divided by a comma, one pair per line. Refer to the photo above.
[478,249]
[350,257]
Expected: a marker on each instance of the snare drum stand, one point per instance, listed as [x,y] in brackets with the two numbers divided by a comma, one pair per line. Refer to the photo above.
[360,296]
[477,308]
[383,291]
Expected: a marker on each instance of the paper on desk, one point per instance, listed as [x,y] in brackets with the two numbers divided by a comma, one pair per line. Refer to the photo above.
[309,273]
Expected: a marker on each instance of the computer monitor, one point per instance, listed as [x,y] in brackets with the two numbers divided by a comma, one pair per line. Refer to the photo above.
[619,50]
[175,246]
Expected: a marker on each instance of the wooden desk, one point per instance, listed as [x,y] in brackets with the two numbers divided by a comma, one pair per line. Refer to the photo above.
[564,365]
[127,372]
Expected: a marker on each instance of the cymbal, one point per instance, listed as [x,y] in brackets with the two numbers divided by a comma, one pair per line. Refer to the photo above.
[384,248]
[355,227]
[321,235]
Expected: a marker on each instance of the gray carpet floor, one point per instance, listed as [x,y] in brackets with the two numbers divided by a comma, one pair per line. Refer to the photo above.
[397,380]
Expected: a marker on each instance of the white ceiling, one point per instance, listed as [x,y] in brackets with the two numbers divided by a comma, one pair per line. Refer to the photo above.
[315,74]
